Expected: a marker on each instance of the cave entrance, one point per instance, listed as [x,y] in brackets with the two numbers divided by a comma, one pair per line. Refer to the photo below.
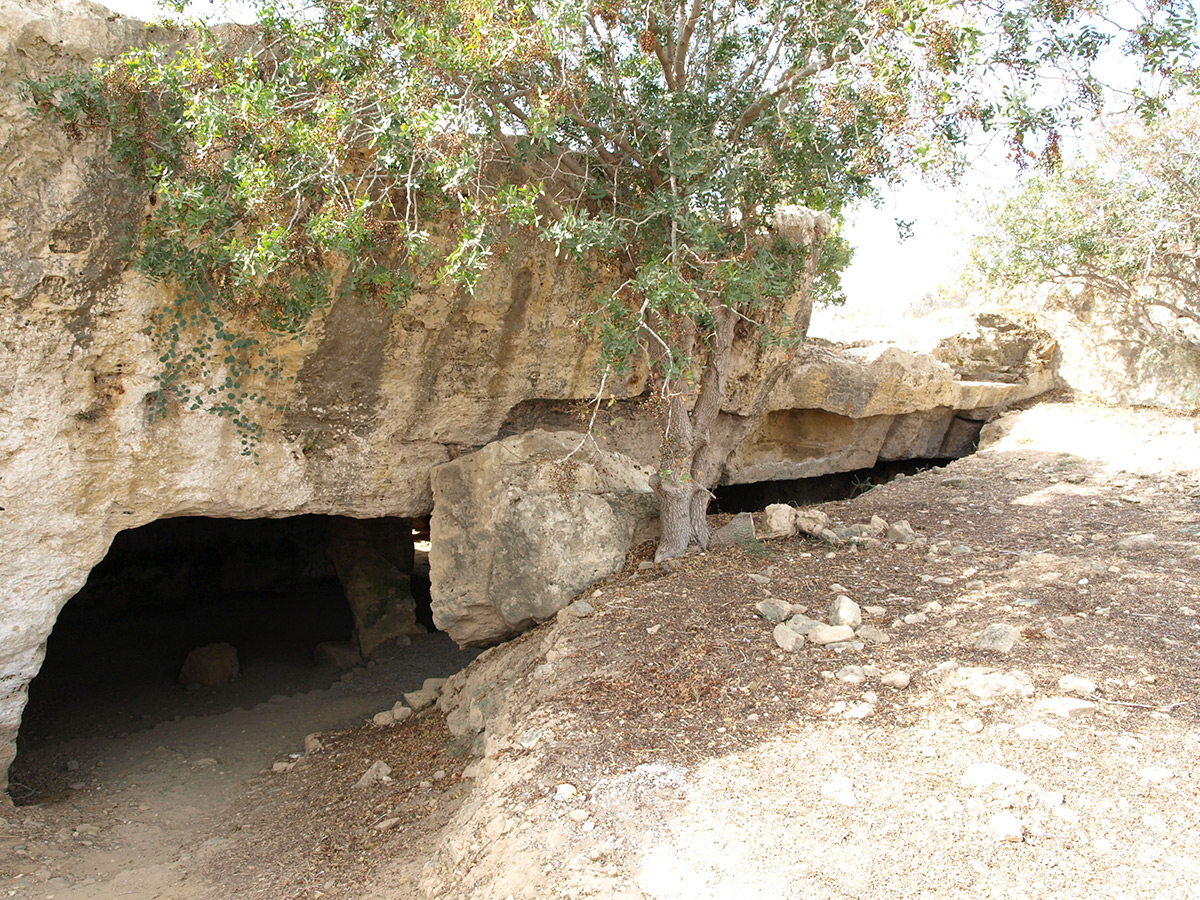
[758,495]
[311,605]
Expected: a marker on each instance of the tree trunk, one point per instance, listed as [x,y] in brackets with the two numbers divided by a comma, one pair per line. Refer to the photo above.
[674,520]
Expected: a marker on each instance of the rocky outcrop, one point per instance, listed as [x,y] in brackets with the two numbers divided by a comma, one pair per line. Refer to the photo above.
[1121,350]
[519,529]
[366,407]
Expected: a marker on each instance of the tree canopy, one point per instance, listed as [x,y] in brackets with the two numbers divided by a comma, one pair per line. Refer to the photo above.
[1126,223]
[378,146]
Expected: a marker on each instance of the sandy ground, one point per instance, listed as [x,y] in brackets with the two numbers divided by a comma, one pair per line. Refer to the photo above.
[663,745]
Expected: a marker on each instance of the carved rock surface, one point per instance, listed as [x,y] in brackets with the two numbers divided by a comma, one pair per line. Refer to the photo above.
[516,534]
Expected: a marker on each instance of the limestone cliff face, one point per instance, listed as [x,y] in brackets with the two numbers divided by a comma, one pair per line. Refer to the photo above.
[374,398]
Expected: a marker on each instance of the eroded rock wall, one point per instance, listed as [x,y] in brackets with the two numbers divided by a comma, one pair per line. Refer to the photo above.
[374,399]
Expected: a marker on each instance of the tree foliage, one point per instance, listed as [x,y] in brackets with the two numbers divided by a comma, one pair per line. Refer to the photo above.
[376,147]
[1127,223]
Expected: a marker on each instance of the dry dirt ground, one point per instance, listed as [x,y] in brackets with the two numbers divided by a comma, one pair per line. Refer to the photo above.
[662,745]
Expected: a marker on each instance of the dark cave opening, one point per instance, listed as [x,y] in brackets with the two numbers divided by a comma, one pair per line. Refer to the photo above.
[757,496]
[270,588]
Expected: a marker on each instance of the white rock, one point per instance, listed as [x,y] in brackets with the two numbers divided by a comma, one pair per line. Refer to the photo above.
[840,789]
[989,684]
[997,637]
[786,638]
[419,700]
[872,633]
[896,680]
[844,611]
[1137,542]
[773,610]
[579,816]
[1156,774]
[779,519]
[1067,815]
[378,773]
[972,726]
[1073,684]
[811,521]
[830,634]
[985,774]
[851,675]
[1038,731]
[862,710]
[565,791]
[1007,827]
[1066,707]
[900,532]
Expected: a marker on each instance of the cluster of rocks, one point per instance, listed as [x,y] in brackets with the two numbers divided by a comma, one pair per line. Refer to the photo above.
[781,520]
[379,772]
[413,702]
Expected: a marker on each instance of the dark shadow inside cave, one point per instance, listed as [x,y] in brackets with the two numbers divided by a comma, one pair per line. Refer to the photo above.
[758,495]
[268,587]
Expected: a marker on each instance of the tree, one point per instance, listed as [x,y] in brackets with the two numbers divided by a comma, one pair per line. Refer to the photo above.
[1126,224]
[694,156]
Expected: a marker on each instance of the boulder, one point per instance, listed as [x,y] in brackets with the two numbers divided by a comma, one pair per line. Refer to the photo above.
[779,520]
[209,666]
[517,532]
[738,530]
[374,561]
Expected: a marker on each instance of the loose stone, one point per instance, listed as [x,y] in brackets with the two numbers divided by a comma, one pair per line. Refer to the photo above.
[985,774]
[844,611]
[896,680]
[1137,542]
[840,789]
[773,610]
[1073,684]
[998,638]
[1066,707]
[1007,827]
[830,634]
[786,638]
[1038,731]
[851,675]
